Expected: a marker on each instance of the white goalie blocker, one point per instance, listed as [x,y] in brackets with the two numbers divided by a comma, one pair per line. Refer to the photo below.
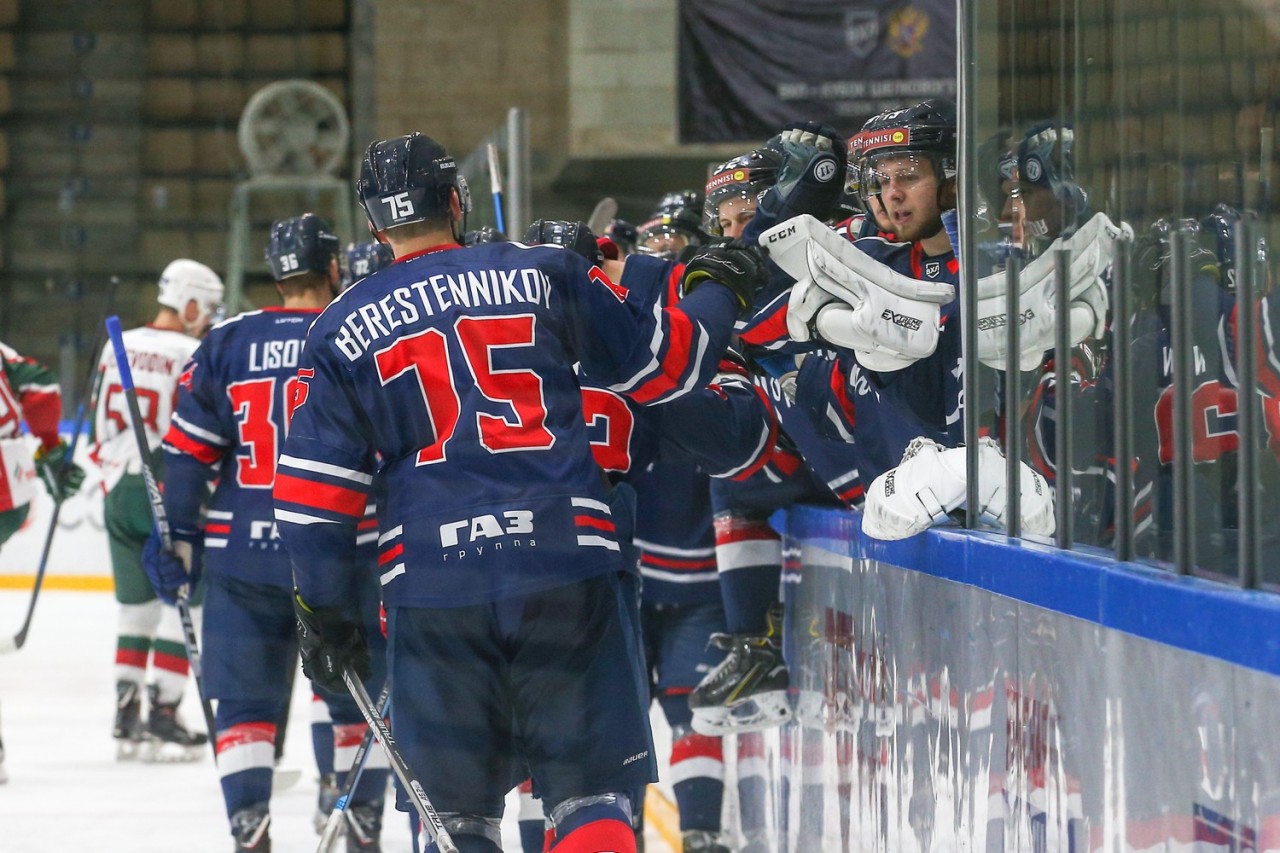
[848,299]
[1092,247]
[931,481]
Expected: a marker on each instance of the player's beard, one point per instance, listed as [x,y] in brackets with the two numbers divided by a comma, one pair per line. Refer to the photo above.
[918,228]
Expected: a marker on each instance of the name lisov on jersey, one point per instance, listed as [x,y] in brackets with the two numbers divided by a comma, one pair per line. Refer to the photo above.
[369,323]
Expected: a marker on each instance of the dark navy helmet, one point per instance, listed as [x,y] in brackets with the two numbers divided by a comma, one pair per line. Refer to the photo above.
[1044,159]
[365,259]
[748,177]
[300,245]
[574,236]
[408,179]
[486,234]
[623,234]
[927,128]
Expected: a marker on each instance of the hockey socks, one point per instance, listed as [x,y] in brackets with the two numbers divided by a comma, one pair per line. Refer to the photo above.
[749,558]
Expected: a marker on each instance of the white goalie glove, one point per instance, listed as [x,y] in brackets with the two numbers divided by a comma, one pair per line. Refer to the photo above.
[1091,247]
[931,482]
[847,298]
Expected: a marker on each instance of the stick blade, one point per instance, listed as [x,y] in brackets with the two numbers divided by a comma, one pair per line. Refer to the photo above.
[605,211]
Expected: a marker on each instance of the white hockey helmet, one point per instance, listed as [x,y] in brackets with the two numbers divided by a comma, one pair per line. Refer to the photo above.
[184,280]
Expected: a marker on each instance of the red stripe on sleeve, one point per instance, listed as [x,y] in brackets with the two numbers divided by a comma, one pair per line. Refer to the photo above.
[390,554]
[202,452]
[674,363]
[767,331]
[323,496]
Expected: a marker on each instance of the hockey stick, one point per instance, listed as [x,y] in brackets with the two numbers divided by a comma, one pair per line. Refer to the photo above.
[333,826]
[8,645]
[161,522]
[605,211]
[426,811]
[495,184]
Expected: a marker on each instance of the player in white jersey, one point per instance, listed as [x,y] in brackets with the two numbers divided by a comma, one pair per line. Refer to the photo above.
[148,633]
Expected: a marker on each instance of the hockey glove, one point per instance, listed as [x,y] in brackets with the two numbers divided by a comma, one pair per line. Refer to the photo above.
[574,236]
[812,176]
[732,263]
[171,572]
[926,485]
[60,475]
[329,642]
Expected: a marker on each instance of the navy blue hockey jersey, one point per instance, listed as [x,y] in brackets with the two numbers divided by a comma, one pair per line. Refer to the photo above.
[447,379]
[229,424]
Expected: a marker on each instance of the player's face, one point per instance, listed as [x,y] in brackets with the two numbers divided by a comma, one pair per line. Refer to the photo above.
[734,214]
[908,187]
[660,243]
[1031,210]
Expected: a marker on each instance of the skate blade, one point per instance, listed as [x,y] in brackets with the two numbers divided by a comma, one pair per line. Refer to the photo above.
[765,711]
[164,752]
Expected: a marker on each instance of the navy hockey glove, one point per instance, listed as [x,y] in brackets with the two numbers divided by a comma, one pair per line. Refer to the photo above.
[574,236]
[60,475]
[812,176]
[170,571]
[329,643]
[732,263]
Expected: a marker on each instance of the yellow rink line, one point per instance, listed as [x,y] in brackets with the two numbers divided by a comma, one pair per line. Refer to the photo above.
[75,583]
[661,814]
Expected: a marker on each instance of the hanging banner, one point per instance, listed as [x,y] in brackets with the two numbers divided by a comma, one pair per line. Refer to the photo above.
[749,67]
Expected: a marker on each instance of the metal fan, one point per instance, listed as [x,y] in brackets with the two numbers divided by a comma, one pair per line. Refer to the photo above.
[294,127]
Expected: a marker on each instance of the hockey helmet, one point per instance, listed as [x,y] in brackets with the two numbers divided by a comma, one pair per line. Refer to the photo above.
[574,236]
[623,234]
[301,245]
[185,280]
[485,234]
[1044,159]
[364,259]
[667,224]
[747,176]
[928,128]
[408,179]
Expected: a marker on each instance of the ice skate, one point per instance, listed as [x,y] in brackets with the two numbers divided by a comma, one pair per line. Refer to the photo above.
[168,740]
[364,828]
[328,798]
[128,727]
[249,827]
[701,841]
[747,691]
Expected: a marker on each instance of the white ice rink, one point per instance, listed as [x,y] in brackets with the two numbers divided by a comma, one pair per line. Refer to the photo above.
[67,793]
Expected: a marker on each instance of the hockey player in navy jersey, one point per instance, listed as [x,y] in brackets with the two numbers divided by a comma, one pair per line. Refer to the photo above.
[748,689]
[670,454]
[363,260]
[234,402]
[445,383]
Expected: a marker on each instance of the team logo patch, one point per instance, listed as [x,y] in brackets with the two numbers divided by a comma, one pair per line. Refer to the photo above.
[1035,169]
[932,268]
[861,31]
[907,29]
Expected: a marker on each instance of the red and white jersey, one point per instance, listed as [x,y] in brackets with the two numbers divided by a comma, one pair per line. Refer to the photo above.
[28,392]
[156,359]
